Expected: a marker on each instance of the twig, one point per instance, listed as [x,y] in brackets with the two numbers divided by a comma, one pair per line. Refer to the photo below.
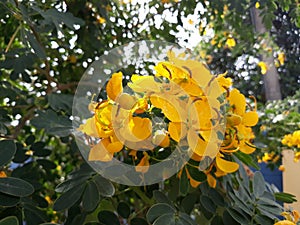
[12,38]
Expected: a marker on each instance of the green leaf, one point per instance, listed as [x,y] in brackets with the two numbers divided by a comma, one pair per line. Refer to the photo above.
[183,183]
[8,200]
[69,198]
[237,216]
[196,174]
[160,197]
[217,220]
[216,197]
[228,219]
[123,209]
[274,210]
[185,219]
[285,197]
[7,151]
[91,197]
[53,123]
[105,187]
[46,164]
[259,185]
[108,218]
[36,46]
[34,215]
[11,220]
[261,219]
[188,202]
[157,210]
[61,102]
[208,204]
[49,224]
[138,221]
[165,219]
[247,159]
[15,186]
[68,184]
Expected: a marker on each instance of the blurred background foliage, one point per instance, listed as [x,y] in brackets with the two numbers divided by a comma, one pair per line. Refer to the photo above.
[46,46]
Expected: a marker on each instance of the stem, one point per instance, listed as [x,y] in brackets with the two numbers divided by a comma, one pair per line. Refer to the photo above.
[142,195]
[12,38]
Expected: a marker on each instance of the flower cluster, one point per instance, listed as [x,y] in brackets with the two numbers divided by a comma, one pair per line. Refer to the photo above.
[182,105]
[292,140]
[291,218]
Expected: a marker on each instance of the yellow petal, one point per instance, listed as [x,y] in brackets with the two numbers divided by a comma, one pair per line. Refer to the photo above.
[284,222]
[2,174]
[230,42]
[161,139]
[200,114]
[100,153]
[103,113]
[263,67]
[196,70]
[219,173]
[171,71]
[89,127]
[143,84]
[250,118]
[126,101]
[177,131]
[246,147]
[143,165]
[226,166]
[237,101]
[212,182]
[170,106]
[142,127]
[196,144]
[191,87]
[114,86]
[281,58]
[233,119]
[113,145]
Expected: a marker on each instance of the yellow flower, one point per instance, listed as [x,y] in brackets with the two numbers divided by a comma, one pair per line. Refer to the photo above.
[284,222]
[101,20]
[292,139]
[144,164]
[281,58]
[2,174]
[263,67]
[190,21]
[226,166]
[230,42]
[161,139]
[281,168]
[257,5]
[114,86]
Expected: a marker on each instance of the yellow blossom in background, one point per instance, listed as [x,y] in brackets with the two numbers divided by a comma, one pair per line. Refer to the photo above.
[284,222]
[281,168]
[190,21]
[257,5]
[263,67]
[230,42]
[292,140]
[267,157]
[2,174]
[101,20]
[291,218]
[281,58]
